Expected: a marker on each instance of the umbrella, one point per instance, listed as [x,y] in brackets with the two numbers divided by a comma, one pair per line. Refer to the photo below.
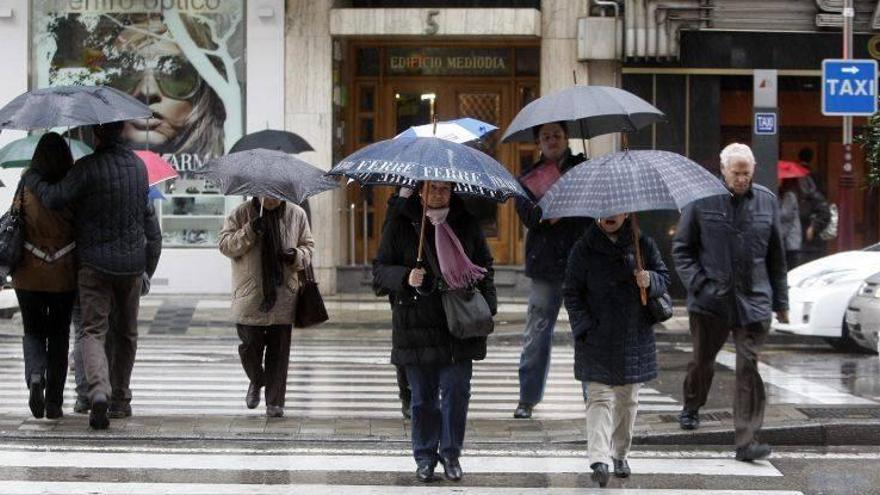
[267,173]
[155,193]
[588,111]
[404,161]
[272,139]
[18,154]
[791,170]
[70,106]
[458,131]
[628,182]
[158,169]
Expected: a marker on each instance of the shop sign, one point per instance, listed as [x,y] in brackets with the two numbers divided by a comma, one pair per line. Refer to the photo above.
[449,61]
[765,123]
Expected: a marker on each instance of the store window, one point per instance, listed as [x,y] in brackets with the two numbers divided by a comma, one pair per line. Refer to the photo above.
[165,58]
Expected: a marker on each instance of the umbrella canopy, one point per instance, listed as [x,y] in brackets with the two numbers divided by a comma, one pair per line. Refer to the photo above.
[458,131]
[405,161]
[267,173]
[155,193]
[158,169]
[628,182]
[70,106]
[791,170]
[588,111]
[271,139]
[18,154]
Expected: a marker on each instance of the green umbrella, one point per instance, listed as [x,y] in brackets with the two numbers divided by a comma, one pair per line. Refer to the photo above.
[18,153]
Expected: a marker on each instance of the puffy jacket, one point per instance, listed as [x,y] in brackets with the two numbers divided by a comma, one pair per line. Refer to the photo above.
[729,254]
[613,338]
[420,335]
[108,193]
[548,244]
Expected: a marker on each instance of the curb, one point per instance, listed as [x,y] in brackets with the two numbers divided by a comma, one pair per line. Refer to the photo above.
[808,434]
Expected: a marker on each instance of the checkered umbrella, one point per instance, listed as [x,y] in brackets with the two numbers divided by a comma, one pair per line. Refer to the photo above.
[628,182]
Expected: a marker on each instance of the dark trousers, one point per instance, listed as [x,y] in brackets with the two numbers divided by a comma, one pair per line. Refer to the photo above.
[440,398]
[403,391]
[274,342]
[101,297]
[709,334]
[792,259]
[46,318]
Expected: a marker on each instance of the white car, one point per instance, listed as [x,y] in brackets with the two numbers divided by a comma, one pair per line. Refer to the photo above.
[819,291]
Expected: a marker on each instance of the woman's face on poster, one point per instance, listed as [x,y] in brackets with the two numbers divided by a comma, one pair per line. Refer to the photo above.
[160,77]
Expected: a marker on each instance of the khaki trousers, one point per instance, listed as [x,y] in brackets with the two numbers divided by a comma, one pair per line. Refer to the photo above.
[611,415]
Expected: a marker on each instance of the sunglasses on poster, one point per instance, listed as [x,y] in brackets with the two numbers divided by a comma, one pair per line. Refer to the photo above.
[175,76]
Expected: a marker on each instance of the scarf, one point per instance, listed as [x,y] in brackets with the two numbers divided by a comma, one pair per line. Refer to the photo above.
[270,255]
[457,269]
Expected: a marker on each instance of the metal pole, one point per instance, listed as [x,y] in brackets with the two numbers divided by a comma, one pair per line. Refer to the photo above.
[366,234]
[351,247]
[847,182]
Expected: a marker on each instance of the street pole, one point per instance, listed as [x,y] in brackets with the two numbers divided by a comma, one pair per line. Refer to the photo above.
[847,182]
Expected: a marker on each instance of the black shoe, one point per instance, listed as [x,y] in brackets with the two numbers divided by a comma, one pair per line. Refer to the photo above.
[98,415]
[119,411]
[82,406]
[406,408]
[523,410]
[451,469]
[753,452]
[621,468]
[252,399]
[37,402]
[274,411]
[425,472]
[53,411]
[600,474]
[689,420]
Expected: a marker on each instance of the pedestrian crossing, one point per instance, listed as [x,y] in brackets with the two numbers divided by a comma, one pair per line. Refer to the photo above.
[189,376]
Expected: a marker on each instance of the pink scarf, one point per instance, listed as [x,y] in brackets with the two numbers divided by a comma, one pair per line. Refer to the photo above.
[457,269]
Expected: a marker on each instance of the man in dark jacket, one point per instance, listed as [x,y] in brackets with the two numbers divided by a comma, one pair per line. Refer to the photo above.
[729,254]
[108,191]
[814,210]
[548,243]
[434,360]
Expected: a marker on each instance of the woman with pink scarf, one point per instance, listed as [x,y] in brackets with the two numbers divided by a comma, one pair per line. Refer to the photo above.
[438,365]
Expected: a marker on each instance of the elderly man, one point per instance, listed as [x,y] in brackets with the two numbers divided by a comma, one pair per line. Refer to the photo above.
[729,254]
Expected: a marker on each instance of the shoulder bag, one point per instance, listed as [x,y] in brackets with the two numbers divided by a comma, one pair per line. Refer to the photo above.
[12,234]
[310,309]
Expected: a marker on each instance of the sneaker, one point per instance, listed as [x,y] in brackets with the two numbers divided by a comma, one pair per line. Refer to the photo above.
[753,452]
[689,420]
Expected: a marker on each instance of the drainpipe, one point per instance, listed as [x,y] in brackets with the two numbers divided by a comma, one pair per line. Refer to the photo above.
[608,3]
[630,34]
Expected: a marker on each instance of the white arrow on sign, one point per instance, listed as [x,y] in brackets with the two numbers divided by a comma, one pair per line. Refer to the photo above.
[850,70]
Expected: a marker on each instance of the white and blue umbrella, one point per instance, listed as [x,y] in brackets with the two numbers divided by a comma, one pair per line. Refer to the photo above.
[405,161]
[629,182]
[459,131]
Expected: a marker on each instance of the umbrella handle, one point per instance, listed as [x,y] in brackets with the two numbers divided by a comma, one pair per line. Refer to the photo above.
[261,207]
[635,227]
[425,187]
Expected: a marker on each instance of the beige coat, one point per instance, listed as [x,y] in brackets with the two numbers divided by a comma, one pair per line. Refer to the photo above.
[239,242]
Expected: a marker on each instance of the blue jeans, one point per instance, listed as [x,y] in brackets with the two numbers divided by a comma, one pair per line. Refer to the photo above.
[440,397]
[534,363]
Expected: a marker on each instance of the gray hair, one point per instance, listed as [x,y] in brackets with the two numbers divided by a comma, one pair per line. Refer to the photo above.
[735,152]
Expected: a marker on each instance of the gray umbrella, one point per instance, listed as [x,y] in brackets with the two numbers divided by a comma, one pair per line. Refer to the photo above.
[588,111]
[267,173]
[627,182]
[70,106]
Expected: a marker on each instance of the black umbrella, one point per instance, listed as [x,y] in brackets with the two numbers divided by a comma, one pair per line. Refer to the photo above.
[70,106]
[588,111]
[271,139]
[267,173]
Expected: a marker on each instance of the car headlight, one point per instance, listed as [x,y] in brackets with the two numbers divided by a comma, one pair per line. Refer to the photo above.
[868,289]
[824,278]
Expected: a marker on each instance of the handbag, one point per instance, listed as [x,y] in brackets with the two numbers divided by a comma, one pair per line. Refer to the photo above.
[660,307]
[12,234]
[467,313]
[310,309]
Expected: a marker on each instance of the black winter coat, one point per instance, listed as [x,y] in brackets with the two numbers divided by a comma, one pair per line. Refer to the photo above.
[548,245]
[108,192]
[420,335]
[614,342]
[729,254]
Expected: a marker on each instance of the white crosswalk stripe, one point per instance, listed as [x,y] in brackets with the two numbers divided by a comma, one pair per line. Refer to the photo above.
[326,379]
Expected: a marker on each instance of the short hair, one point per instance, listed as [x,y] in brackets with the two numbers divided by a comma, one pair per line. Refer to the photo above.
[736,151]
[805,155]
[536,131]
[111,131]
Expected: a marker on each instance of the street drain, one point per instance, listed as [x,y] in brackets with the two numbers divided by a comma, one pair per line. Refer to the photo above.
[841,412]
[713,416]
